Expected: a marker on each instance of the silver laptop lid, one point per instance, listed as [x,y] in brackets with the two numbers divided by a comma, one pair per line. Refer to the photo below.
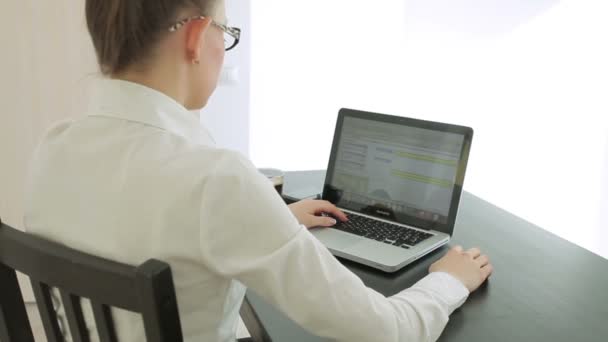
[405,170]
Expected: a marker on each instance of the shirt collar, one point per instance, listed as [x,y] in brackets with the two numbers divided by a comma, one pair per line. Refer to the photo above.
[135,102]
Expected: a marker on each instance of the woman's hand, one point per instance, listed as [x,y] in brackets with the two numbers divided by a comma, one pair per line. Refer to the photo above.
[472,267]
[308,213]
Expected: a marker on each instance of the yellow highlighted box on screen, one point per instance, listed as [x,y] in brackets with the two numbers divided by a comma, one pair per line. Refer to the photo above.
[423,179]
[426,158]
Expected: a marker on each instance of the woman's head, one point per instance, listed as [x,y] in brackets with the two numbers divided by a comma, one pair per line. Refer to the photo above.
[151,41]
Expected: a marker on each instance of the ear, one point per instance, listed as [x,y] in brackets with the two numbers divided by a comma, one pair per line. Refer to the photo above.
[195,36]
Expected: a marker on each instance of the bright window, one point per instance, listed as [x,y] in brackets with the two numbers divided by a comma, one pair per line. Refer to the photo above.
[530,77]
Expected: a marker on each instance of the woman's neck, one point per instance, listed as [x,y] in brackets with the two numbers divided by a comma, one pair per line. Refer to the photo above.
[166,84]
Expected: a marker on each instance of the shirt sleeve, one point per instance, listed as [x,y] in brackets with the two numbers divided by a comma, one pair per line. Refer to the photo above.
[249,234]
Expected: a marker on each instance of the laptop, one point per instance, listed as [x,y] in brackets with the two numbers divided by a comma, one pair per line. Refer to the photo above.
[399,180]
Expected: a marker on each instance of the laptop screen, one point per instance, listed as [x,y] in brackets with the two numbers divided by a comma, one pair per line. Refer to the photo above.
[394,170]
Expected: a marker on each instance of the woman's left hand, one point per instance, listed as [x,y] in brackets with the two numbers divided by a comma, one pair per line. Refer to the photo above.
[308,213]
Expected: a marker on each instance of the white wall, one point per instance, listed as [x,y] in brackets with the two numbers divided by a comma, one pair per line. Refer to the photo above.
[228,112]
[47,61]
[530,77]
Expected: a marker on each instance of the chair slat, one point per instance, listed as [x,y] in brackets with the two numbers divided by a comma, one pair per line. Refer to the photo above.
[104,322]
[14,323]
[73,312]
[42,293]
[156,292]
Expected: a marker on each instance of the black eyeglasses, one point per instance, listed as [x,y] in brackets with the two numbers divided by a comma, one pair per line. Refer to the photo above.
[232,35]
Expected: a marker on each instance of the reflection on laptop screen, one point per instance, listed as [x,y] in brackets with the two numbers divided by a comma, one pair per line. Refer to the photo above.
[396,170]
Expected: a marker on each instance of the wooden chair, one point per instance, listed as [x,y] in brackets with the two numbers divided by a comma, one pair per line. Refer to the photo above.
[147,289]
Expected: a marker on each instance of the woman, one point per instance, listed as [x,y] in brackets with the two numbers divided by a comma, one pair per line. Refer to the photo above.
[138,177]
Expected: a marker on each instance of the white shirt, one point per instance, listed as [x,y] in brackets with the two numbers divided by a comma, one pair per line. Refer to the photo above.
[139,178]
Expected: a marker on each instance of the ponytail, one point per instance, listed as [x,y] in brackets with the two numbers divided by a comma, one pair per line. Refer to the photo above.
[125,31]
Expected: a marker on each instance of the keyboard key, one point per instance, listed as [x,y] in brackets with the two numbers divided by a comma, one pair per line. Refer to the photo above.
[400,242]
[382,231]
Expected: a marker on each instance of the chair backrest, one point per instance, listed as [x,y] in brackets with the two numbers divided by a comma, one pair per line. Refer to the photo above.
[147,289]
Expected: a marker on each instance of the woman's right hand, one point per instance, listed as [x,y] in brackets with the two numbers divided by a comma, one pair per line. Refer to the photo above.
[471,267]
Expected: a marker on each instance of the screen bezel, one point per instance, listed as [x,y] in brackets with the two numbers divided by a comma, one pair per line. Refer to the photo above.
[409,220]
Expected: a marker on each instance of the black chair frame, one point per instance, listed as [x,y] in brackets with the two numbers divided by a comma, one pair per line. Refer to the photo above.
[147,289]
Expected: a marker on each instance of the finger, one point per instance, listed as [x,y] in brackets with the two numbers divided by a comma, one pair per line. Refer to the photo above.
[487,271]
[457,249]
[483,260]
[328,207]
[474,252]
[320,221]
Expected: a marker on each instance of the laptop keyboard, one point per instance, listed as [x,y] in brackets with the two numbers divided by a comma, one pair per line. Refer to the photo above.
[382,231]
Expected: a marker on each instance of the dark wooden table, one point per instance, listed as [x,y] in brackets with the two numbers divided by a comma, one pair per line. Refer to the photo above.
[544,288]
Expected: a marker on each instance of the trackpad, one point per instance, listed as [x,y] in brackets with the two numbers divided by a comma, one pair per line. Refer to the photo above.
[376,251]
[335,239]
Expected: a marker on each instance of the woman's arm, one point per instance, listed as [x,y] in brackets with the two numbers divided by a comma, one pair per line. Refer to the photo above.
[249,234]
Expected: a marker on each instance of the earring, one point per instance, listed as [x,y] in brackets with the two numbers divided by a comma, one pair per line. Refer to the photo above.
[196,61]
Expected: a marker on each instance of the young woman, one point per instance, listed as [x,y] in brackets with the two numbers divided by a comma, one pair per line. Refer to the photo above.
[139,178]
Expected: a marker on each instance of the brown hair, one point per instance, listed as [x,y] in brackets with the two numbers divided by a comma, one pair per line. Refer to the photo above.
[124,31]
